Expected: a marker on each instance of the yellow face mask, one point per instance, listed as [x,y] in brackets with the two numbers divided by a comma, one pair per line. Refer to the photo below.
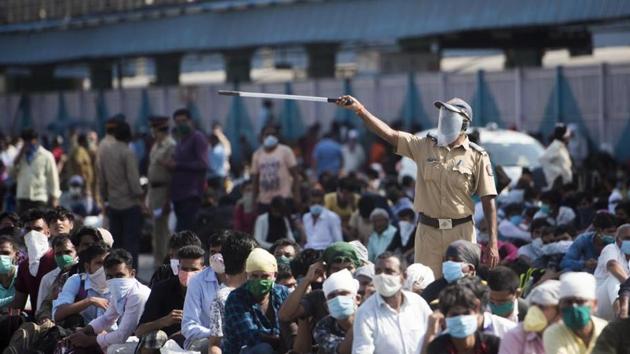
[535,320]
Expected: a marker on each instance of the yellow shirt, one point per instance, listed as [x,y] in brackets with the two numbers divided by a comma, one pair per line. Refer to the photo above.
[447,178]
[559,339]
[331,203]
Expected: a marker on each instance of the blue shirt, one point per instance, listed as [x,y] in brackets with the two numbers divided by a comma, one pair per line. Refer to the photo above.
[216,160]
[580,251]
[202,289]
[7,294]
[244,320]
[328,156]
[69,294]
[377,244]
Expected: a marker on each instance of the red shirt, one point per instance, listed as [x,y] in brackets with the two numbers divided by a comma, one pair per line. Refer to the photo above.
[28,284]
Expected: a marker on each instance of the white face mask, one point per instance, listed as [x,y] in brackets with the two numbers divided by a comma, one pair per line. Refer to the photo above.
[175,266]
[36,246]
[119,288]
[216,263]
[98,281]
[387,285]
[449,127]
[406,229]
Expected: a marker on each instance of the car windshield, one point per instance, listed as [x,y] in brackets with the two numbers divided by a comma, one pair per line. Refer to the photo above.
[514,154]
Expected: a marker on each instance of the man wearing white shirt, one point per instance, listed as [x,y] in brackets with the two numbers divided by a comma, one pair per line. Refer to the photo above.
[322,226]
[511,226]
[128,297]
[612,270]
[394,320]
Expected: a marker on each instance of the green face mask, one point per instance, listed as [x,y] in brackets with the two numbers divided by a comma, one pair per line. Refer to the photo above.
[576,317]
[503,309]
[64,261]
[283,260]
[259,287]
[183,129]
[607,239]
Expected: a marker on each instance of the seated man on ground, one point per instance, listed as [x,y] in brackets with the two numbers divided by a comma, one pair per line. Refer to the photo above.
[8,271]
[169,269]
[84,296]
[252,324]
[163,311]
[583,253]
[505,300]
[127,303]
[612,270]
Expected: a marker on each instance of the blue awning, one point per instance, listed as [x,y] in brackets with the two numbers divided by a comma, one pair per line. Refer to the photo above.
[298,23]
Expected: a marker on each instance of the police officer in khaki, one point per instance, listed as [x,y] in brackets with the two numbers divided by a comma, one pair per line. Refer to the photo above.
[159,183]
[451,169]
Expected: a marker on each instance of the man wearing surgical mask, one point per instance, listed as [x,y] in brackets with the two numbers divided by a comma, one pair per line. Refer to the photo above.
[579,329]
[583,253]
[451,170]
[612,270]
[393,320]
[333,333]
[321,226]
[164,308]
[526,338]
[128,297]
[274,171]
[251,311]
[40,261]
[84,294]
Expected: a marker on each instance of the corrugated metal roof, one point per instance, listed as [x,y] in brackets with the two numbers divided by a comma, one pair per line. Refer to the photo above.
[304,22]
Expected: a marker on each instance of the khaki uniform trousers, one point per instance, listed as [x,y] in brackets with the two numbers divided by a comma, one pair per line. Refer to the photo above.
[161,233]
[431,243]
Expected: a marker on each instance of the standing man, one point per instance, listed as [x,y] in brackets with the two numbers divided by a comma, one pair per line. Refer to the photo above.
[35,172]
[122,196]
[159,185]
[451,169]
[189,166]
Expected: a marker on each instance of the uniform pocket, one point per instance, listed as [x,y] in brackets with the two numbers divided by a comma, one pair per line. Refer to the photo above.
[431,172]
[461,176]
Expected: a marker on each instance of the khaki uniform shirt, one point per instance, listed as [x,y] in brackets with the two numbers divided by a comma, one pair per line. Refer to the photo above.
[160,176]
[447,178]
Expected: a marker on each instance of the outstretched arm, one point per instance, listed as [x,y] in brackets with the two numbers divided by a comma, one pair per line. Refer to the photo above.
[373,123]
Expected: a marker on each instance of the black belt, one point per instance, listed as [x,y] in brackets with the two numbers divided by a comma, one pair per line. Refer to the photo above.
[443,224]
[158,185]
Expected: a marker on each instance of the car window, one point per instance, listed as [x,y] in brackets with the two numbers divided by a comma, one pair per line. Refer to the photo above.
[514,154]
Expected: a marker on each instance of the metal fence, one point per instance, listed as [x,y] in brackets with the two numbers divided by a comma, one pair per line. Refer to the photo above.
[597,98]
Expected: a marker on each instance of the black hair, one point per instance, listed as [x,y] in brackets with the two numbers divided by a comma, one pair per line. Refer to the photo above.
[123,132]
[503,278]
[513,209]
[604,220]
[457,295]
[60,240]
[9,239]
[84,231]
[538,224]
[184,238]
[95,250]
[284,272]
[235,250]
[285,242]
[301,263]
[191,252]
[218,238]
[347,184]
[58,213]
[407,181]
[182,112]
[29,134]
[481,291]
[407,212]
[118,256]
[278,203]
[552,196]
[390,254]
[15,219]
[34,215]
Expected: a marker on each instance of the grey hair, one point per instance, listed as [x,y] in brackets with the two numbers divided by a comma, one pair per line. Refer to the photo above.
[622,228]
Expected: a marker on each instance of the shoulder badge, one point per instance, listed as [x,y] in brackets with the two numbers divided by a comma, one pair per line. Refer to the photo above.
[478,148]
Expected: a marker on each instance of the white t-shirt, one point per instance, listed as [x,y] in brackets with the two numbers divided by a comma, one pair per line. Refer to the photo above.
[610,252]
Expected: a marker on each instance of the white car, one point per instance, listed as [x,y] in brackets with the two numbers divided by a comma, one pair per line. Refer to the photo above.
[510,149]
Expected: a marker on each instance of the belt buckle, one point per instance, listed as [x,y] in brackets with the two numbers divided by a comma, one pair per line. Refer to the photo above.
[445,224]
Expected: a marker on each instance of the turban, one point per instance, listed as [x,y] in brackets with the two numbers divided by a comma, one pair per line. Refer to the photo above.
[545,294]
[341,252]
[361,250]
[341,280]
[577,284]
[261,260]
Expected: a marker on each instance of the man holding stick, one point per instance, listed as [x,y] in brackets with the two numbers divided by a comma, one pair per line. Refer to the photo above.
[451,169]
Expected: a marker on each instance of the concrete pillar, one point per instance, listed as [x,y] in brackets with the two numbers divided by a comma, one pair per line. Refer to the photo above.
[322,58]
[101,74]
[167,69]
[238,64]
[523,57]
[418,55]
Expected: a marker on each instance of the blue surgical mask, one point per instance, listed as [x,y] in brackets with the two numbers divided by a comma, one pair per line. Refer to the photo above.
[544,208]
[452,271]
[516,219]
[6,264]
[625,247]
[316,209]
[462,326]
[608,239]
[270,141]
[341,307]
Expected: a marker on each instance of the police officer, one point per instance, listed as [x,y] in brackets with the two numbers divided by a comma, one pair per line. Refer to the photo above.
[159,185]
[451,169]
